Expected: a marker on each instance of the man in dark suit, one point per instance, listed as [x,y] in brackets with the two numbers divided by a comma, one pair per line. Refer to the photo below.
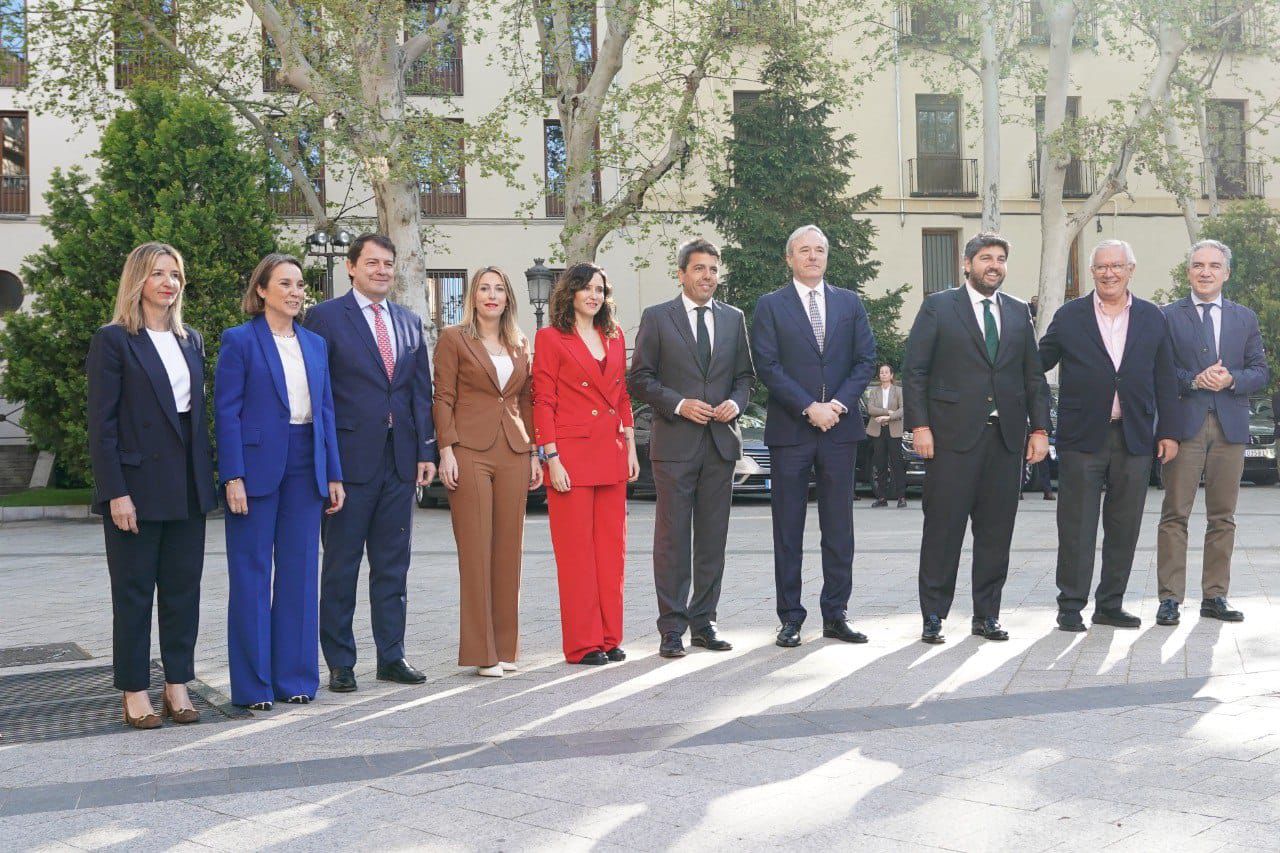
[1116,390]
[814,351]
[1218,356]
[692,365]
[971,383]
[387,444]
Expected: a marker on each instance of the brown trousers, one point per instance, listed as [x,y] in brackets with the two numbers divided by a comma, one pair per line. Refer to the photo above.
[488,525]
[1222,464]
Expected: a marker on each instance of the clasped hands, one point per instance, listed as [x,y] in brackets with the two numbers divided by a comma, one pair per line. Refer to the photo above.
[1215,377]
[823,415]
[701,412]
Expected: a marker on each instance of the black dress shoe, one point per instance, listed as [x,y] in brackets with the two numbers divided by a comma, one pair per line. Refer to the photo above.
[932,633]
[342,679]
[596,658]
[902,503]
[879,502]
[989,628]
[1049,496]
[1116,617]
[840,629]
[1069,620]
[1168,612]
[616,654]
[788,635]
[707,638]
[400,672]
[1217,608]
[672,646]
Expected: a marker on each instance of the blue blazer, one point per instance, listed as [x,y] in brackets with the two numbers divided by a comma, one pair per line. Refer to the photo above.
[136,443]
[1088,380]
[796,373]
[1240,350]
[251,412]
[365,403]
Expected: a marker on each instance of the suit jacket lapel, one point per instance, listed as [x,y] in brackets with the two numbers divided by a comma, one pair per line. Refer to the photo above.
[356,317]
[196,367]
[262,332]
[720,319]
[800,313]
[151,362]
[481,355]
[681,319]
[965,309]
[1009,320]
[1197,329]
[1092,332]
[582,355]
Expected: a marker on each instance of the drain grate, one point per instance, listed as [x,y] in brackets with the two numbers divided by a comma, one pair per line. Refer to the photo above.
[47,653]
[80,702]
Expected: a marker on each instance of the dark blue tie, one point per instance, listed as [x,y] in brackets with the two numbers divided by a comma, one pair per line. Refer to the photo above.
[1206,320]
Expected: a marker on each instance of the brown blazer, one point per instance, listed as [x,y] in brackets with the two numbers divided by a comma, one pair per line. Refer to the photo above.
[469,408]
[875,410]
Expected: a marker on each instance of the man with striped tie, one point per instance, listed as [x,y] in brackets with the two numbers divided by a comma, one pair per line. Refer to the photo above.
[814,350]
[972,385]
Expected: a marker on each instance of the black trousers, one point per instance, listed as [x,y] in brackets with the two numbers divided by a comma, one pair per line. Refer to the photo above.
[1081,480]
[887,477]
[163,562]
[979,487]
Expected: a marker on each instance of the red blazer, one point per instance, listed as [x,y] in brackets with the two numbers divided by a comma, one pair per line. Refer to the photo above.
[579,409]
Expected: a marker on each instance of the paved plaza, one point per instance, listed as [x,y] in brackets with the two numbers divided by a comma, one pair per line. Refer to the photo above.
[1161,738]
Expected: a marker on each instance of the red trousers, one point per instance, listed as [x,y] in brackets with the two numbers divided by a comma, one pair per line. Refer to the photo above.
[589,536]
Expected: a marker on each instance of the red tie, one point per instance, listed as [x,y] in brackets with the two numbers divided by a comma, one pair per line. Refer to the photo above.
[384,340]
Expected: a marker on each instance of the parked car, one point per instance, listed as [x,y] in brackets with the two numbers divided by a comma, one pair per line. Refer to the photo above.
[1259,456]
[436,495]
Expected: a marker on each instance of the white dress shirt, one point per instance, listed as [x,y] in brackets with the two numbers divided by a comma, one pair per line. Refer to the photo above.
[803,291]
[364,302]
[1215,314]
[691,310]
[175,365]
[979,311]
[295,378]
[884,396]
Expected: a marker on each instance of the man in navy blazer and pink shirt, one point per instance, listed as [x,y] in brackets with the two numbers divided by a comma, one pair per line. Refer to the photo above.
[387,443]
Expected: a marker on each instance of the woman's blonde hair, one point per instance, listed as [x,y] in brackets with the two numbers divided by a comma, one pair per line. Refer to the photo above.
[137,267]
[508,330]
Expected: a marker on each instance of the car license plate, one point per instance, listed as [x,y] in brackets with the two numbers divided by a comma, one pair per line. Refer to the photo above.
[766,482]
[1255,452]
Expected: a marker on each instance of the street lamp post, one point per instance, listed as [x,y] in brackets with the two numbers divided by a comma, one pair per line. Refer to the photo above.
[330,244]
[540,279]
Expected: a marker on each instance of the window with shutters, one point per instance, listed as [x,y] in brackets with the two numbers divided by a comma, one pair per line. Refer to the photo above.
[15,168]
[941,250]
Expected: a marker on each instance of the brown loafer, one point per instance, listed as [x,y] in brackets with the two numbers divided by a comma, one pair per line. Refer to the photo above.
[182,716]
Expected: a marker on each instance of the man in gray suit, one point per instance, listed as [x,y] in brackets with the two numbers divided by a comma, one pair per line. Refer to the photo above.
[692,365]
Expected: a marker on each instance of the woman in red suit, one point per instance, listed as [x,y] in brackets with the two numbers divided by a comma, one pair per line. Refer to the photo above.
[583,425]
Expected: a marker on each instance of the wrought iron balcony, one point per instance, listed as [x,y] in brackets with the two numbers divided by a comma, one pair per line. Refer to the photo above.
[443,199]
[13,70]
[1079,183]
[942,176]
[290,203]
[15,195]
[931,25]
[435,77]
[1234,179]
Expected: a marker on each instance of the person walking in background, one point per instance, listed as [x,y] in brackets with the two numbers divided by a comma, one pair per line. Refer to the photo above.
[1117,390]
[583,425]
[814,351]
[1219,360]
[692,365]
[153,478]
[484,419]
[278,461]
[972,382]
[381,378]
[884,427]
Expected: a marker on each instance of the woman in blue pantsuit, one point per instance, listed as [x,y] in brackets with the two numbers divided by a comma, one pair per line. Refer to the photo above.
[278,459]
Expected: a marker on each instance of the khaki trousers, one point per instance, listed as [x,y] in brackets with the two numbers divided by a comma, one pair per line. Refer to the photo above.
[488,524]
[1222,464]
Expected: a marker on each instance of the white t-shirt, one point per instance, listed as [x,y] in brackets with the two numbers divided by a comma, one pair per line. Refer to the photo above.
[295,379]
[504,367]
[175,364]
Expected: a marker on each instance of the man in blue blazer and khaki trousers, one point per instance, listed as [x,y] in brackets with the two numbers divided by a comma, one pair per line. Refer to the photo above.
[387,443]
[814,350]
[1218,355]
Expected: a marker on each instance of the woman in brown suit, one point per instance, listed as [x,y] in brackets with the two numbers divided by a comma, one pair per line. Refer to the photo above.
[484,418]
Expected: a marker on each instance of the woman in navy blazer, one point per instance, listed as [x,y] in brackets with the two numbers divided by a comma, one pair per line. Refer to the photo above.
[278,459]
[153,477]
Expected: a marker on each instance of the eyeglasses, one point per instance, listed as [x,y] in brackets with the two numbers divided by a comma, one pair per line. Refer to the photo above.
[1116,268]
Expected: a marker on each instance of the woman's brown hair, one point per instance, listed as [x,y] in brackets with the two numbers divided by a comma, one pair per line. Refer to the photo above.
[253,304]
[575,278]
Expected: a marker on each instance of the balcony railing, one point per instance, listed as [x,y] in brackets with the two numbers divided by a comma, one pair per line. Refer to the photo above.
[555,199]
[439,77]
[551,80]
[13,71]
[942,176]
[15,195]
[1034,28]
[291,203]
[1254,29]
[1079,183]
[931,25]
[135,65]
[1234,179]
[443,199]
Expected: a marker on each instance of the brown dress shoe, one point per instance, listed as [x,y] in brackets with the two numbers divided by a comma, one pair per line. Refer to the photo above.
[182,716]
[146,721]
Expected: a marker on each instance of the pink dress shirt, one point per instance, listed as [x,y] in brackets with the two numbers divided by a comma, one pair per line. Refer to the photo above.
[1114,331]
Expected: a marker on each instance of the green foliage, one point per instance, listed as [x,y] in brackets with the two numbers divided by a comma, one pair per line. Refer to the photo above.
[1252,230]
[172,169]
[787,169]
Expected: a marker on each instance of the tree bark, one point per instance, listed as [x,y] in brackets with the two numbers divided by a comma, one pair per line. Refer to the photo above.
[989,76]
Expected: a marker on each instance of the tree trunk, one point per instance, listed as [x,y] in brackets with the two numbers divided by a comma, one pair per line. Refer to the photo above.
[990,80]
[1210,159]
[398,218]
[1055,244]
[1177,163]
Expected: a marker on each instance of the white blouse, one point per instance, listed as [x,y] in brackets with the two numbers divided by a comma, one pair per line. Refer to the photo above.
[504,366]
[175,364]
[295,379]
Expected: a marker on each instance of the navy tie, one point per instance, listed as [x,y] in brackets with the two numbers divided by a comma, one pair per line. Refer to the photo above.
[1206,319]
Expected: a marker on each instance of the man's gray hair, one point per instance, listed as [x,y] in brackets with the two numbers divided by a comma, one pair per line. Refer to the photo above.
[1210,244]
[689,247]
[1129,257]
[802,230]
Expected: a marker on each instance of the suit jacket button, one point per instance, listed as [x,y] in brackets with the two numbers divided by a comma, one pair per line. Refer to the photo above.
[594,413]
[155,455]
[584,385]
[500,400]
[990,400]
[611,411]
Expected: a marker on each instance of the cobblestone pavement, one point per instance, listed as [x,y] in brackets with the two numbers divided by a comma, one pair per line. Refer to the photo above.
[1130,740]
